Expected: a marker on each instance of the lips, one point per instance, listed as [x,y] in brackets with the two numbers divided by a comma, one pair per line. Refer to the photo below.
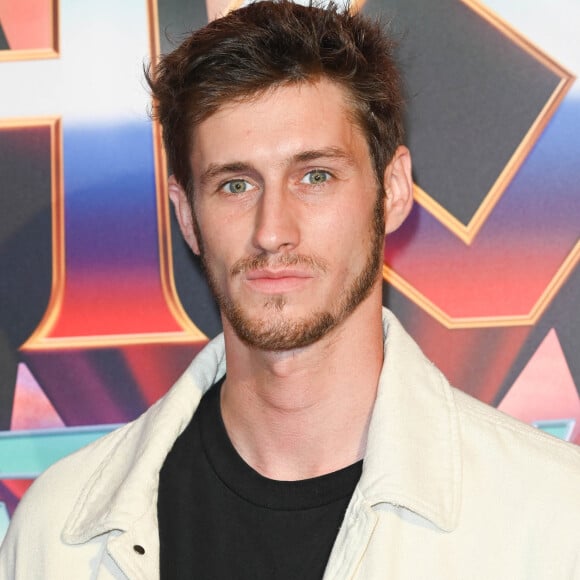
[277,274]
[277,281]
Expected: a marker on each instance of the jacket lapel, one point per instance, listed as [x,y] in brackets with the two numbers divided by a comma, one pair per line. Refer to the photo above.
[120,498]
[413,454]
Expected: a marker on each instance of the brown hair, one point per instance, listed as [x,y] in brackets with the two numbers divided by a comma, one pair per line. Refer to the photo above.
[271,43]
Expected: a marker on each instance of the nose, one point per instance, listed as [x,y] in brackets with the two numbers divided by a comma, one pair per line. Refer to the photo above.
[276,226]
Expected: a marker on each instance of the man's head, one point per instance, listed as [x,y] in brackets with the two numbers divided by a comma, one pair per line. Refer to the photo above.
[282,125]
[269,44]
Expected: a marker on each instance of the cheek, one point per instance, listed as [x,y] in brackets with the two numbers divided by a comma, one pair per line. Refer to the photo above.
[222,245]
[215,227]
[344,248]
[346,227]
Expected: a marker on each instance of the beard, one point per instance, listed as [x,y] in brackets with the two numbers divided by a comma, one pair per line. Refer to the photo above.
[275,332]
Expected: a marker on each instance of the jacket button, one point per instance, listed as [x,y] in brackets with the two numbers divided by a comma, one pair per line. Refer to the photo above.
[139,549]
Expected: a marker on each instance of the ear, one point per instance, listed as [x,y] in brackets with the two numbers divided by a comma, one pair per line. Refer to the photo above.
[183,212]
[398,183]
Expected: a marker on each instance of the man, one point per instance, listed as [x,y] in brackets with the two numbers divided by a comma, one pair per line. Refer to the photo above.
[312,439]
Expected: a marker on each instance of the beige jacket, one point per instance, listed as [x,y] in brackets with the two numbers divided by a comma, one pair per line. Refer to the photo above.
[450,489]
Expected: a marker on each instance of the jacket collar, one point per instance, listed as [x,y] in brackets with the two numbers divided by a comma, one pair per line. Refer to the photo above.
[412,457]
[124,486]
[413,454]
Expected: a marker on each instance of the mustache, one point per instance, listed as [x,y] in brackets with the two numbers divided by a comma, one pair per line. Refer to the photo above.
[264,261]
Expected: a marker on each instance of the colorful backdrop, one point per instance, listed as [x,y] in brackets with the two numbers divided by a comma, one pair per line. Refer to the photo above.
[101,304]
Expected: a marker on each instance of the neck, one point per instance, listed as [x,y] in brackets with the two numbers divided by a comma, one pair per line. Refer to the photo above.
[302,413]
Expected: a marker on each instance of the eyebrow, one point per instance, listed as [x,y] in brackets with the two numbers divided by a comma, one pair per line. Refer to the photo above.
[325,153]
[215,170]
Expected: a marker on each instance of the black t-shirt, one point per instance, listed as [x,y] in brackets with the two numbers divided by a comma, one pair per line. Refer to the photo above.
[220,519]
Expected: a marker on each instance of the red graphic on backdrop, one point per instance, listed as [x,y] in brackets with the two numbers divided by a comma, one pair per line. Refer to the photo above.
[30,26]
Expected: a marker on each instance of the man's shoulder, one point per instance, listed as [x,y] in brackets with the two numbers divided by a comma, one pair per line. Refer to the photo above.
[491,437]
[52,495]
[41,517]
[123,464]
[485,439]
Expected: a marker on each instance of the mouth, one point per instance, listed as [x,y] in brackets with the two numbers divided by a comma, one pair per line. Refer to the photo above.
[277,281]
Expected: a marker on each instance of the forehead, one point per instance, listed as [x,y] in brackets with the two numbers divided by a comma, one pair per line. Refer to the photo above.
[277,124]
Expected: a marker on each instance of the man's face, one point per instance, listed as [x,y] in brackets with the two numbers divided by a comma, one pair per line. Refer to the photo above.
[289,220]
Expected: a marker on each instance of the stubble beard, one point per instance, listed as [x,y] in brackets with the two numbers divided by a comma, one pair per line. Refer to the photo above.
[275,332]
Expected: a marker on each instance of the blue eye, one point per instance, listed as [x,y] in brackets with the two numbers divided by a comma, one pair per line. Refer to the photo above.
[236,186]
[316,177]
